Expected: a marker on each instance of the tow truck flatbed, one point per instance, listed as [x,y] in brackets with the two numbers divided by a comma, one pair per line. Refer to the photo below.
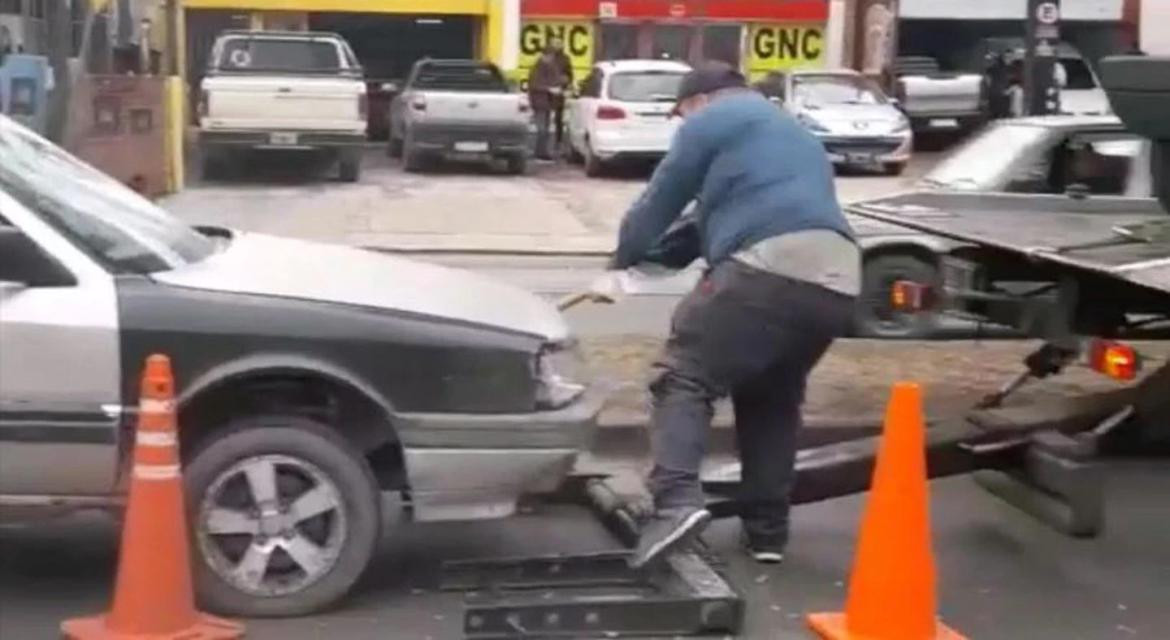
[1125,239]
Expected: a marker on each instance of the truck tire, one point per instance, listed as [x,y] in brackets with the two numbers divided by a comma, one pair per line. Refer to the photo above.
[894,168]
[518,164]
[412,157]
[350,167]
[285,517]
[212,167]
[876,317]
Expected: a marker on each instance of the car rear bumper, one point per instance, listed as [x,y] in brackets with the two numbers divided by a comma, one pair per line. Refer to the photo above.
[244,139]
[471,139]
[466,467]
[868,149]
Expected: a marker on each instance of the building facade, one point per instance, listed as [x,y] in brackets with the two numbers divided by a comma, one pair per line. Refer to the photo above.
[757,36]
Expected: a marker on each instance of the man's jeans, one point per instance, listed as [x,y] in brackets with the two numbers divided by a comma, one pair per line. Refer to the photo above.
[543,123]
[756,337]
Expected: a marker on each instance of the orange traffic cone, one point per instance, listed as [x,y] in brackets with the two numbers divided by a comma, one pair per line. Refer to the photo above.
[153,596]
[892,589]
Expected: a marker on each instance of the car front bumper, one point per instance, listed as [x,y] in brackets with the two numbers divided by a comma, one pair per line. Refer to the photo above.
[300,140]
[471,139]
[470,467]
[868,150]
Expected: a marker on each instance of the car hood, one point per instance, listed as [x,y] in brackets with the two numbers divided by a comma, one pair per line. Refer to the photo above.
[263,265]
[859,119]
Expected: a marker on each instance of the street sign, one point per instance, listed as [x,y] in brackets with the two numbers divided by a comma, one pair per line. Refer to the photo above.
[1048,13]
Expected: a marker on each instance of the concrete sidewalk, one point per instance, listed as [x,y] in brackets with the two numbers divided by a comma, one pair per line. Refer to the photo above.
[555,210]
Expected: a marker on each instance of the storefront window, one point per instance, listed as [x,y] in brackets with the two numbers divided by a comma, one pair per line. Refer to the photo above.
[671,42]
[619,42]
[722,42]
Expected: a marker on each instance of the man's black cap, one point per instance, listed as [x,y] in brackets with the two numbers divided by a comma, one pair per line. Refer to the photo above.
[709,77]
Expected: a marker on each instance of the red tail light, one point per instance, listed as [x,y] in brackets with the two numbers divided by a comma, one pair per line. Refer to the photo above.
[418,103]
[1114,359]
[363,106]
[910,296]
[204,103]
[610,112]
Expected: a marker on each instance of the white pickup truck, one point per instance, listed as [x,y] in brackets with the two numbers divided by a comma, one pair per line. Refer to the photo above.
[460,109]
[937,100]
[289,91]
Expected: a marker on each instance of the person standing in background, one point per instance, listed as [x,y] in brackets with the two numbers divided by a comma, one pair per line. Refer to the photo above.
[545,85]
[565,67]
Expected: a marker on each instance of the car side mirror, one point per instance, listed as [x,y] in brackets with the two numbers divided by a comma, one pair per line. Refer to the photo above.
[24,264]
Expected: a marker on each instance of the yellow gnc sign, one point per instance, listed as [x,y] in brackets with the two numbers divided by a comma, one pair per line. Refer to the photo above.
[576,35]
[777,47]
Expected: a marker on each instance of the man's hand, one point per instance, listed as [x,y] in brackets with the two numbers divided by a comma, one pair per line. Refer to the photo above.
[608,288]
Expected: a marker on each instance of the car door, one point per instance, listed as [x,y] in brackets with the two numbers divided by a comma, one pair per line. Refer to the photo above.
[60,373]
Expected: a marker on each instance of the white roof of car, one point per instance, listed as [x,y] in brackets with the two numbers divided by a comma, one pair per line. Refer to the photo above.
[645,65]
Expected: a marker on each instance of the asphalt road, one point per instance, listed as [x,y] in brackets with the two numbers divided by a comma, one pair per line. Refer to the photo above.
[1002,575]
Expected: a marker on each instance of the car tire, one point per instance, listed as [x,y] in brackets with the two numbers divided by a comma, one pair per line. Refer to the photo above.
[350,167]
[594,166]
[894,168]
[875,316]
[518,164]
[305,458]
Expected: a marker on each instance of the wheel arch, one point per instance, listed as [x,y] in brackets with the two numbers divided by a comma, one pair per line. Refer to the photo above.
[295,385]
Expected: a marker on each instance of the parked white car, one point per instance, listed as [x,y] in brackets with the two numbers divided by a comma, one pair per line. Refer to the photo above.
[858,124]
[285,91]
[624,112]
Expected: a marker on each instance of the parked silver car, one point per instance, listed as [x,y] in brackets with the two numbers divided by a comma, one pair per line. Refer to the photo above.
[858,124]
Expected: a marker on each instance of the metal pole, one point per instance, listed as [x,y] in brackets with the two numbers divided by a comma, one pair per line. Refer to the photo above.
[1041,93]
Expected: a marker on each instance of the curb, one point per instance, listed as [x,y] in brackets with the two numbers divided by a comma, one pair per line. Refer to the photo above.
[633,439]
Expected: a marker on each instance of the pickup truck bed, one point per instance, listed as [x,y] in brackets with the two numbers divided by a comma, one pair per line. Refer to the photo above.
[1123,238]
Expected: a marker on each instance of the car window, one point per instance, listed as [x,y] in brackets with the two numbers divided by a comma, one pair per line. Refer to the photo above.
[460,78]
[1101,162]
[1076,74]
[270,54]
[645,86]
[101,216]
[828,89]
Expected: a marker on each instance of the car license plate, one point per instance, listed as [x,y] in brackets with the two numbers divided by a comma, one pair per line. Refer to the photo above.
[859,158]
[283,139]
[944,123]
[471,147]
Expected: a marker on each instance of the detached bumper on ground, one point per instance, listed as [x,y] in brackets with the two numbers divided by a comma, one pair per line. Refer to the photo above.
[498,458]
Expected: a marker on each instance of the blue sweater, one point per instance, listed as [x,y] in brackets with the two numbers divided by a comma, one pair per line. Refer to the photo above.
[755,172]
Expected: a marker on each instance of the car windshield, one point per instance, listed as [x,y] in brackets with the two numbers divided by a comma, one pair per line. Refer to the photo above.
[645,86]
[979,163]
[460,78]
[269,54]
[821,90]
[114,224]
